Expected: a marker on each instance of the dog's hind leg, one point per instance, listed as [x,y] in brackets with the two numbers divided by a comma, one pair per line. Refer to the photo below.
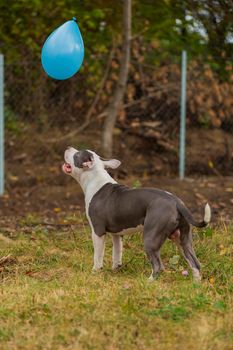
[154,237]
[117,251]
[153,253]
[186,244]
[162,267]
[156,231]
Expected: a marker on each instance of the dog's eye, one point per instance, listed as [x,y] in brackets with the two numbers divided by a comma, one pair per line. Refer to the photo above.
[90,158]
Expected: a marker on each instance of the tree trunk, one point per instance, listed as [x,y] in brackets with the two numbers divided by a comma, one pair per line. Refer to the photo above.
[117,99]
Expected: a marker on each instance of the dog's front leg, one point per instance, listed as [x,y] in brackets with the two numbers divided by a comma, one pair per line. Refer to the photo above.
[99,246]
[117,251]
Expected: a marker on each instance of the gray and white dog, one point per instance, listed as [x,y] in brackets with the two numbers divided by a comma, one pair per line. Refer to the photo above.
[118,209]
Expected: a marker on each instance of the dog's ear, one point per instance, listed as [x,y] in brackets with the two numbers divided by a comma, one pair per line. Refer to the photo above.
[111,163]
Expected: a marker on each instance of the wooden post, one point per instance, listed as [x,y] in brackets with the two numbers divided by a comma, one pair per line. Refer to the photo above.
[117,99]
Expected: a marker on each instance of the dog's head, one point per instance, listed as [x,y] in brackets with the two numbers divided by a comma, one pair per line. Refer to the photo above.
[78,162]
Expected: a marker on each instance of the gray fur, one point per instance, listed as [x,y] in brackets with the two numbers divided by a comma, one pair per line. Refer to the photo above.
[118,209]
[115,208]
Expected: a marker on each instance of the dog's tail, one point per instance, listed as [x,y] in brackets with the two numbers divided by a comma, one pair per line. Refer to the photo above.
[185,212]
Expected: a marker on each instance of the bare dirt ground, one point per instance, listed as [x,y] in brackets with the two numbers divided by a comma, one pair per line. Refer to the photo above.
[49,200]
[36,184]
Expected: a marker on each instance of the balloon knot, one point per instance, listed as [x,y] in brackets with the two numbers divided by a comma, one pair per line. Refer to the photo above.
[74,19]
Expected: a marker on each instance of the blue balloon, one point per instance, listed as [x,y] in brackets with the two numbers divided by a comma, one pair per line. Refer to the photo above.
[63,51]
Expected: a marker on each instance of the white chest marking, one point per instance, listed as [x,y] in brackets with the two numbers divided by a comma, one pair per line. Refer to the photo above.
[92,185]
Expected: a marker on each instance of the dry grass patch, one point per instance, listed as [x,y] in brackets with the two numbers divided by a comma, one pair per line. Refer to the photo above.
[50,299]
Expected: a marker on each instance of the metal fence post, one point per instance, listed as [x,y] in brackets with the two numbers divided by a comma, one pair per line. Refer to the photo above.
[1,124]
[182,116]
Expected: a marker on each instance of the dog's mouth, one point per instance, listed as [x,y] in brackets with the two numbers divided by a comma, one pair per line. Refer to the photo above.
[66,167]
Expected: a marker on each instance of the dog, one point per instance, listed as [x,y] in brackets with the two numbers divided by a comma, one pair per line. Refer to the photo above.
[117,209]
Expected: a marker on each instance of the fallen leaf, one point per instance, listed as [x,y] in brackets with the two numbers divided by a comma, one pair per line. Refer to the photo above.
[229,189]
[126,286]
[199,196]
[211,185]
[13,178]
[222,204]
[7,260]
[6,196]
[215,206]
[174,260]
[210,164]
[211,280]
[224,251]
[53,169]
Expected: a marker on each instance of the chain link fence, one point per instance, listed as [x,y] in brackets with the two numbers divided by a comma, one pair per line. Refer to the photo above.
[39,113]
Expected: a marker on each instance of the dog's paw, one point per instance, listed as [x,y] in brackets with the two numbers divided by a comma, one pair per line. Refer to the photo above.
[116,267]
[196,276]
[197,279]
[153,277]
[97,269]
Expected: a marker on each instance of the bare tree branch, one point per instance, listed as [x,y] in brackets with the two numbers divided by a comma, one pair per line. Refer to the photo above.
[90,111]
[116,101]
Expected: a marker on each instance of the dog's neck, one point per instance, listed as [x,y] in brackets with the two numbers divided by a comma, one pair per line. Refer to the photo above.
[92,181]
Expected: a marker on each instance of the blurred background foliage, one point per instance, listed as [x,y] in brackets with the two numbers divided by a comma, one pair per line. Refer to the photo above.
[161,29]
[203,27]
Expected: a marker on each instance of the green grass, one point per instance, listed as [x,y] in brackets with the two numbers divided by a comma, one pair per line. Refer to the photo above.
[50,299]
